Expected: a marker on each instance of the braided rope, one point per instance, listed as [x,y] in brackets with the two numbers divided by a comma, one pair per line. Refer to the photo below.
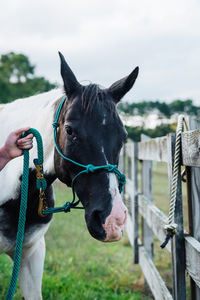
[171,226]
[22,212]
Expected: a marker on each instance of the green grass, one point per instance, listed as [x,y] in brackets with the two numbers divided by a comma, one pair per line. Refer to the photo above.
[79,267]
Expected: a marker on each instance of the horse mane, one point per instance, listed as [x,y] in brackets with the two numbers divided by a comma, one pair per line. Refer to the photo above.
[95,97]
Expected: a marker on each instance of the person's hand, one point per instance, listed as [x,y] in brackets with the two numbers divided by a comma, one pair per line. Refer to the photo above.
[14,145]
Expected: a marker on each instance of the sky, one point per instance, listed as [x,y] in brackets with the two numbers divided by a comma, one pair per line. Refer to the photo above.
[105,40]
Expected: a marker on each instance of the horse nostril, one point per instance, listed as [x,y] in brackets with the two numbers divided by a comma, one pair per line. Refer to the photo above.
[96,217]
[94,223]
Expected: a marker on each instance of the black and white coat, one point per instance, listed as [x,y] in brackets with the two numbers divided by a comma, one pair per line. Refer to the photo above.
[94,137]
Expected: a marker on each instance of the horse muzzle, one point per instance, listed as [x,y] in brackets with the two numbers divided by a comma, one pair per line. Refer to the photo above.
[115,222]
[109,228]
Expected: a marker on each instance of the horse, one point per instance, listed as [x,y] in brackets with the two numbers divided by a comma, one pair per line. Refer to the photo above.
[90,132]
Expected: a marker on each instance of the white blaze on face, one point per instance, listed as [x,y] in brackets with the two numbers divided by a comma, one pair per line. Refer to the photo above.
[104,120]
[115,222]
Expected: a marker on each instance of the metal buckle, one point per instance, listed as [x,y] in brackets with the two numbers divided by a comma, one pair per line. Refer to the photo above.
[42,203]
[39,170]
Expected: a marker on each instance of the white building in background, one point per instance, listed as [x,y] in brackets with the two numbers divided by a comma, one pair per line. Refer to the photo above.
[148,121]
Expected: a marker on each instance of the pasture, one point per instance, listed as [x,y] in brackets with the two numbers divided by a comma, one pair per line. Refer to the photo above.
[79,267]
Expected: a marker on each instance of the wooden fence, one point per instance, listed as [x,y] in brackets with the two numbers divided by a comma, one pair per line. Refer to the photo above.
[184,247]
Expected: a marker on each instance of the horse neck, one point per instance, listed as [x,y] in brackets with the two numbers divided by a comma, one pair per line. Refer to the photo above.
[44,126]
[36,112]
[46,132]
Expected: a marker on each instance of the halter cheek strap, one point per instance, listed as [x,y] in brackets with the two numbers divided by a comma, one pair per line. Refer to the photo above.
[86,169]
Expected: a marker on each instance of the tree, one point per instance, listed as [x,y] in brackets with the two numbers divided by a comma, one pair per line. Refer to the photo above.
[134,133]
[145,107]
[17,79]
[16,67]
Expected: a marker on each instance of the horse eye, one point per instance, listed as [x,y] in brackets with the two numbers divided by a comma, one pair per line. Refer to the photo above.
[69,130]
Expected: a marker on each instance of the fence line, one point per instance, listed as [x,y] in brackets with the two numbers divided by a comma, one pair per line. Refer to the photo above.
[184,248]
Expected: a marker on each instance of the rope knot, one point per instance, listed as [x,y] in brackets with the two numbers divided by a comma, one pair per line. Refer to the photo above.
[90,169]
[111,168]
[122,179]
[41,184]
[55,125]
[171,228]
[170,232]
[66,207]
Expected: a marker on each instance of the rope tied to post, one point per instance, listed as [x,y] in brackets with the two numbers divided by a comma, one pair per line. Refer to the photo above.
[171,227]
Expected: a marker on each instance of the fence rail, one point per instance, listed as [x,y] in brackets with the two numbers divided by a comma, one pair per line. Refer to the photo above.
[184,248]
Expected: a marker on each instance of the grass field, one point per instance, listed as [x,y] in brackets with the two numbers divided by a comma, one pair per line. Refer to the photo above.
[79,267]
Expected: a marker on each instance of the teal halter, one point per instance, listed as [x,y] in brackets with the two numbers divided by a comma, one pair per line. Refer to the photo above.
[86,169]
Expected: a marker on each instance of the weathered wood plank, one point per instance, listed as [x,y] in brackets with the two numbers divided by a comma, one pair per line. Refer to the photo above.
[121,165]
[129,229]
[194,180]
[129,148]
[153,278]
[147,233]
[194,123]
[134,173]
[155,219]
[129,188]
[131,193]
[191,148]
[192,248]
[153,149]
[177,243]
[193,193]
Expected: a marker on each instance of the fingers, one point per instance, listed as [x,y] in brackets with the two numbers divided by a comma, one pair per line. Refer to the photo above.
[19,131]
[26,147]
[26,142]
[27,138]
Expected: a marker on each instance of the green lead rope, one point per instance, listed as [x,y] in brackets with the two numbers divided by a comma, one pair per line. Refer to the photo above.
[23,207]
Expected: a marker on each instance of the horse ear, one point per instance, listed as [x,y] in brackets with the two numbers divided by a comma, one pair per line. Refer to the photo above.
[122,86]
[71,84]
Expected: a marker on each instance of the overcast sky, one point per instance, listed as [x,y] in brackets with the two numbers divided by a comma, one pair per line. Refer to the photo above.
[104,40]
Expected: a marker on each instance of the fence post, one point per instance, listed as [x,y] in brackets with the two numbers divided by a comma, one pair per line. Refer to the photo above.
[147,233]
[130,194]
[135,203]
[177,245]
[193,186]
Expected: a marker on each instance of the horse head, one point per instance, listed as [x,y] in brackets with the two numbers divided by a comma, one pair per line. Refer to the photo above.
[91,132]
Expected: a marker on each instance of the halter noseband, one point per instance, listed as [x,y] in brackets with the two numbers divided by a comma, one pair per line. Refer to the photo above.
[87,168]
